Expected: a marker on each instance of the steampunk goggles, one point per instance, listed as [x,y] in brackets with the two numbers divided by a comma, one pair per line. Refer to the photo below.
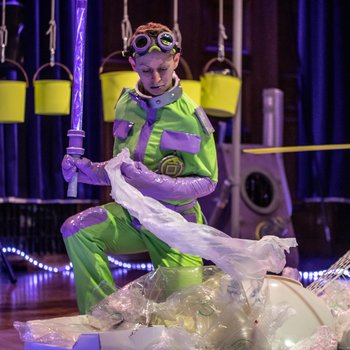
[145,43]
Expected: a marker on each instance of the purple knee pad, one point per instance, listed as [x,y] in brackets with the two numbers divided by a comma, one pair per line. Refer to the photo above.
[86,218]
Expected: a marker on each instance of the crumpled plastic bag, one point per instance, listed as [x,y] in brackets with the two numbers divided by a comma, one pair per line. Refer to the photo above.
[240,258]
[61,331]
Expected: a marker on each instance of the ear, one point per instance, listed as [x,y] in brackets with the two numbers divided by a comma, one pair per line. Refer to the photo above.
[132,63]
[176,59]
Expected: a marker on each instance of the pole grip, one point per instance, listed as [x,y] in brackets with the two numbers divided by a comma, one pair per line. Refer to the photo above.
[76,150]
[72,190]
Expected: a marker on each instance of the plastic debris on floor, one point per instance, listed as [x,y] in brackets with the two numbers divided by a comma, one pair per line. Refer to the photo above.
[219,313]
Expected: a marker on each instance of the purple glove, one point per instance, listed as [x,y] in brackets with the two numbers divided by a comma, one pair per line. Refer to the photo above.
[88,172]
[164,187]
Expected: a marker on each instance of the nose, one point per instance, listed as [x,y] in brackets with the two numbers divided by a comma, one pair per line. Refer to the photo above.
[156,76]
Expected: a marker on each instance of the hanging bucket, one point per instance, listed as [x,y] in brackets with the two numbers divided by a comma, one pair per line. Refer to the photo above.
[13,97]
[52,96]
[112,84]
[220,91]
[191,87]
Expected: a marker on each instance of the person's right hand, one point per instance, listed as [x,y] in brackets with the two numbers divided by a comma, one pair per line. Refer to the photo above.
[88,172]
[68,167]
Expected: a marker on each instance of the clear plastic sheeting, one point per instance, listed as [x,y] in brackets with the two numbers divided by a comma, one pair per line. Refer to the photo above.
[218,313]
[240,258]
[61,331]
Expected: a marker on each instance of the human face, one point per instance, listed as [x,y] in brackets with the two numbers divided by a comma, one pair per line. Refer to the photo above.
[155,70]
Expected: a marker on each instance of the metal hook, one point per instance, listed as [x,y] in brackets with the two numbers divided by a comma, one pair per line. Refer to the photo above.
[222,33]
[126,27]
[176,28]
[3,33]
[52,32]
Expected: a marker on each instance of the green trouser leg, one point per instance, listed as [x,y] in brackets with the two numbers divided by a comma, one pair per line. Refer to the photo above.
[88,247]
[165,282]
[91,271]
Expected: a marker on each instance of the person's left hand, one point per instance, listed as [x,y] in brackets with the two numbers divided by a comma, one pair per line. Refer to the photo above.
[137,174]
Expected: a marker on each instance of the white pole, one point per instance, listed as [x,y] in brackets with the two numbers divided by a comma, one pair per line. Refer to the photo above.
[236,121]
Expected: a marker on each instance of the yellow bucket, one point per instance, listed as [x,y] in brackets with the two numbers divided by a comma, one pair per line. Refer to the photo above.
[13,98]
[112,84]
[191,87]
[52,96]
[220,92]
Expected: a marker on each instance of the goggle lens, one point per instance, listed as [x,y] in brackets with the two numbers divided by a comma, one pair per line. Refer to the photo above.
[166,39]
[141,42]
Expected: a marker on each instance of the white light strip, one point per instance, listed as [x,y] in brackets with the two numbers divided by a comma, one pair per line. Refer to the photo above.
[144,266]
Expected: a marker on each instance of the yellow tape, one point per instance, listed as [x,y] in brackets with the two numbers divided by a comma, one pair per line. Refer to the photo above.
[288,149]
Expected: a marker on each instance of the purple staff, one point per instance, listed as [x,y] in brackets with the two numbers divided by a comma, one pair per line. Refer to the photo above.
[76,134]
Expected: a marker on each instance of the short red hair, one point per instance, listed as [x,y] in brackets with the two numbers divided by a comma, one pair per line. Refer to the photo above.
[151,28]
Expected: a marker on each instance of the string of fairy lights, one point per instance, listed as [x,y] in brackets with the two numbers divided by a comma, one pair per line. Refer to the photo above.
[144,266]
[140,266]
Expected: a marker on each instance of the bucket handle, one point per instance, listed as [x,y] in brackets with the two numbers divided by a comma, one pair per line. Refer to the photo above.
[20,68]
[210,62]
[55,64]
[186,68]
[107,59]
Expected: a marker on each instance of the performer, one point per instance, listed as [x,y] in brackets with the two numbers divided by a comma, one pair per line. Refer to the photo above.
[172,147]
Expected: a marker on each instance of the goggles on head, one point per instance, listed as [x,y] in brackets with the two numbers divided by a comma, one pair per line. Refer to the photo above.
[144,43]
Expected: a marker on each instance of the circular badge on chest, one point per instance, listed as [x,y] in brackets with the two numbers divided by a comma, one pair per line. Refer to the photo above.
[172,166]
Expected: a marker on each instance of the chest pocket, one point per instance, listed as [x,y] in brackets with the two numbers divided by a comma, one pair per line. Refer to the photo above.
[180,141]
[121,128]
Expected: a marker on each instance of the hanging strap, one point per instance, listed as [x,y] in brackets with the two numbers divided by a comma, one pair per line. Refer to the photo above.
[126,27]
[222,33]
[52,32]
[176,28]
[3,32]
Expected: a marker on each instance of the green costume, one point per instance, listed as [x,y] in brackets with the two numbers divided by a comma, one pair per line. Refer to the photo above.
[173,138]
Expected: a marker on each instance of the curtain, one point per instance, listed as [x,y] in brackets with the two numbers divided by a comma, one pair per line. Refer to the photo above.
[324,103]
[31,152]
